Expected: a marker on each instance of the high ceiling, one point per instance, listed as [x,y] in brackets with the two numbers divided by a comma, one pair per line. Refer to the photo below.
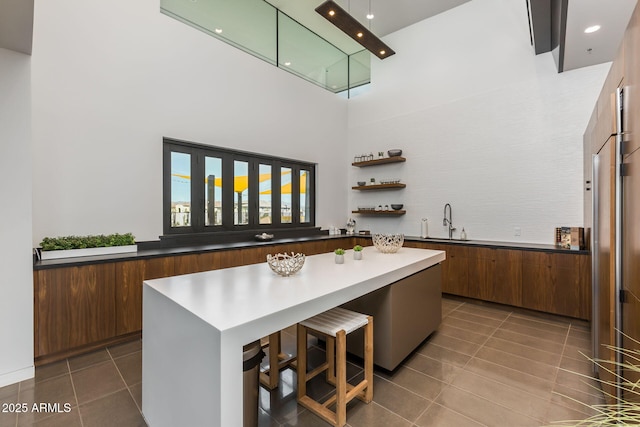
[389,16]
[16,22]
[582,49]
[392,15]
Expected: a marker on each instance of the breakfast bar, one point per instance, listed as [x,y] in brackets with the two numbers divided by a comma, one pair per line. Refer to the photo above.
[195,325]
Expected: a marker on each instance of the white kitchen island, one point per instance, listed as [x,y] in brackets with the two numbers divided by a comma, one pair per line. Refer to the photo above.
[195,325]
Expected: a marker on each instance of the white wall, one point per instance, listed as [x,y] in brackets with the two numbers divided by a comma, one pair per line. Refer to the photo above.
[110,79]
[484,123]
[16,277]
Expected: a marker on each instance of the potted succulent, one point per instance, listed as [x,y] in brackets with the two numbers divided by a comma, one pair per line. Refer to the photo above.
[357,252]
[339,256]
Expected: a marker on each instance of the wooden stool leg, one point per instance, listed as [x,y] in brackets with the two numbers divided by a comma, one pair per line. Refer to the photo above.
[341,378]
[331,360]
[274,351]
[368,360]
[302,361]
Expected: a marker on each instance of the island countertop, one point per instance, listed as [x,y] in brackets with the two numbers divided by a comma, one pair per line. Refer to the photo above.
[194,326]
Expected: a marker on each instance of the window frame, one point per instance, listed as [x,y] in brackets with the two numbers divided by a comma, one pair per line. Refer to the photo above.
[197,226]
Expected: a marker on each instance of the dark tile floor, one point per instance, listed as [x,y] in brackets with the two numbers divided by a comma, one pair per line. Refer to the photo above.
[487,365]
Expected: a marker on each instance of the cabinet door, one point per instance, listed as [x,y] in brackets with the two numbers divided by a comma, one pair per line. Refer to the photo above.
[552,283]
[75,305]
[508,277]
[455,269]
[631,83]
[482,267]
[129,276]
[536,277]
[630,257]
[495,275]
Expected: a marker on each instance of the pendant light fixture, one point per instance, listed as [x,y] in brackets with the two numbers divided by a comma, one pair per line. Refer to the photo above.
[370,15]
[354,29]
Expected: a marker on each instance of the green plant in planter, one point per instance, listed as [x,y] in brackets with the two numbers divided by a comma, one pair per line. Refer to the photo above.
[83,242]
[357,248]
[339,251]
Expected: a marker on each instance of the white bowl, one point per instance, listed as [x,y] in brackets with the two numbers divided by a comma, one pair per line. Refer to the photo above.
[285,264]
[388,243]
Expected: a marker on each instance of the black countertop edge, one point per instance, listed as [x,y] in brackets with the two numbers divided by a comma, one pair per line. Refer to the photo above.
[498,245]
[157,253]
[184,250]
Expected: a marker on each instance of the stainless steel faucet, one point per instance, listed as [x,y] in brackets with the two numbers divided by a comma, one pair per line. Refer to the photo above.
[448,221]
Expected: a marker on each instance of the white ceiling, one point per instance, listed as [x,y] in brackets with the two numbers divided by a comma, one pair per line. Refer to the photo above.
[389,16]
[613,17]
[16,23]
[392,15]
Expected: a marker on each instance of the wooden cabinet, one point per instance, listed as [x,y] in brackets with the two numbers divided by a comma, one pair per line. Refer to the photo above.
[129,276]
[75,306]
[631,84]
[630,257]
[455,269]
[554,283]
[495,275]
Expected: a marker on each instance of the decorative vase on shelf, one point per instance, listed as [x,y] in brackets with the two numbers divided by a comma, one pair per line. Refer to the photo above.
[357,255]
[339,259]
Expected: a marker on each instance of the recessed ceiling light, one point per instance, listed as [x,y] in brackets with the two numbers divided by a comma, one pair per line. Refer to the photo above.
[218,30]
[287,63]
[359,34]
[592,29]
[370,16]
[382,52]
[332,12]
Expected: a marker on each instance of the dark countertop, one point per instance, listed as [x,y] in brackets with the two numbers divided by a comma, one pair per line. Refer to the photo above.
[498,245]
[184,250]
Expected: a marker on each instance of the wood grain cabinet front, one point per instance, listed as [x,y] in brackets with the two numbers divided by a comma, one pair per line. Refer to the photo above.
[495,275]
[75,306]
[455,269]
[555,283]
[129,276]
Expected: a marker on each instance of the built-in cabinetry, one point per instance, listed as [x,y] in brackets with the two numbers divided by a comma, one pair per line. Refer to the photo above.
[78,308]
[612,146]
[83,307]
[552,282]
[380,186]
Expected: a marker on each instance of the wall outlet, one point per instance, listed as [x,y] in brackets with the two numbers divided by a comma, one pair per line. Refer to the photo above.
[517,231]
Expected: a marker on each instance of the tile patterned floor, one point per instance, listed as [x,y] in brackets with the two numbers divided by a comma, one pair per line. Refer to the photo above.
[487,365]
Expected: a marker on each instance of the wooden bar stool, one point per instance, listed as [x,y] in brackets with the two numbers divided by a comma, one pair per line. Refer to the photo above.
[278,360]
[335,325]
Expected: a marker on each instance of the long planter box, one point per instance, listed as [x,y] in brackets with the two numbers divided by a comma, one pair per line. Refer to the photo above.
[72,253]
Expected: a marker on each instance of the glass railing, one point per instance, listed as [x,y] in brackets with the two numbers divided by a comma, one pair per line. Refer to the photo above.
[260,29]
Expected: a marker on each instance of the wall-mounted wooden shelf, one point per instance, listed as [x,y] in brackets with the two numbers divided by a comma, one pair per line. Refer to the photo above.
[380,213]
[383,161]
[379,187]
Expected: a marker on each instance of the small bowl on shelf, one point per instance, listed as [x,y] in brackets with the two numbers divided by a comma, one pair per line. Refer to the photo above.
[394,153]
[286,264]
[264,237]
[396,206]
[362,183]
